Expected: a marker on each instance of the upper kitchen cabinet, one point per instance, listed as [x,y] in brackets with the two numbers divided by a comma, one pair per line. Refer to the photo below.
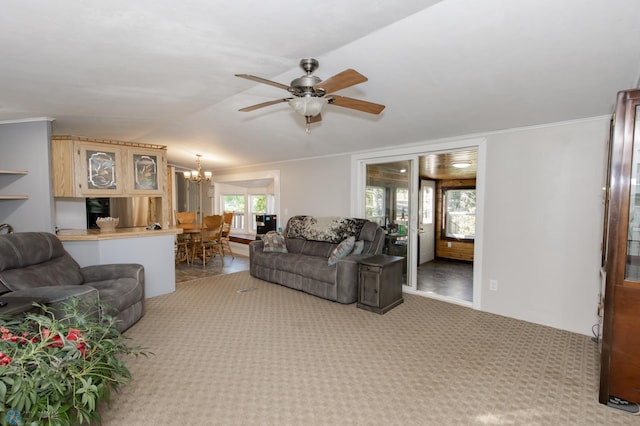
[85,167]
[100,170]
[146,171]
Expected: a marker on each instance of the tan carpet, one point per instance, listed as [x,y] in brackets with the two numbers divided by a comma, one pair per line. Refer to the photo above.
[276,356]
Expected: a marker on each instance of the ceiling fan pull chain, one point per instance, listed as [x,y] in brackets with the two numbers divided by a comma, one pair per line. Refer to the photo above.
[308,127]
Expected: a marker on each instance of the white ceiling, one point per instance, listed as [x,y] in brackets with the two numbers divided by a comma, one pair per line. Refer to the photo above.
[162,71]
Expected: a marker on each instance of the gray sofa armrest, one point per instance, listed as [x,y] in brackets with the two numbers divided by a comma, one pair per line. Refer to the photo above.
[255,249]
[113,271]
[256,246]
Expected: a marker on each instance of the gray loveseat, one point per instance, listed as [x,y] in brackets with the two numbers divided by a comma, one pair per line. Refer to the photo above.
[36,265]
[310,241]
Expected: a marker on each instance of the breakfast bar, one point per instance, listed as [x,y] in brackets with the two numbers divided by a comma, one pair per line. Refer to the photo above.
[154,249]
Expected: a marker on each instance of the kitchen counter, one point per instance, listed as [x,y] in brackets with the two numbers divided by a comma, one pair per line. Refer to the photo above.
[153,249]
[96,234]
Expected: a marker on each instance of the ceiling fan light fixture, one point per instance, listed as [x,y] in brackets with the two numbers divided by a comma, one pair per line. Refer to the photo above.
[461,164]
[308,106]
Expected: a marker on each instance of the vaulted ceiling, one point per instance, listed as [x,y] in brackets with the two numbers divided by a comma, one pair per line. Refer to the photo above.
[162,71]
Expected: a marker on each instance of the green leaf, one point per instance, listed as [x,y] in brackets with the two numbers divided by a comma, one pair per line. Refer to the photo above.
[49,380]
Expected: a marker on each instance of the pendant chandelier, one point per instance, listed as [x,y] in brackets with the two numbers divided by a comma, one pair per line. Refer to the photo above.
[197,175]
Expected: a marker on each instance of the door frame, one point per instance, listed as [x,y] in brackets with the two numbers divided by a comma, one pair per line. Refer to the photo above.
[413,152]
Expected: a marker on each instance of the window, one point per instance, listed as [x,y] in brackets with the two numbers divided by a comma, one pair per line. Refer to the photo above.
[402,205]
[427,205]
[374,204]
[244,219]
[234,203]
[459,213]
[258,204]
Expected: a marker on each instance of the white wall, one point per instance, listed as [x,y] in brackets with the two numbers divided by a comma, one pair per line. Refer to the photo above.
[543,223]
[542,217]
[319,186]
[25,145]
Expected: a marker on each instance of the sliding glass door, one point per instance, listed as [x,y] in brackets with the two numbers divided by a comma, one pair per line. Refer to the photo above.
[387,193]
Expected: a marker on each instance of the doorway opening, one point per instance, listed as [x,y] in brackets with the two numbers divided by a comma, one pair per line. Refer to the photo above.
[447,224]
[442,220]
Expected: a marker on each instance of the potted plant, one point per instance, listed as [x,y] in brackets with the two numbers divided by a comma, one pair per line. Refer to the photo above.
[55,369]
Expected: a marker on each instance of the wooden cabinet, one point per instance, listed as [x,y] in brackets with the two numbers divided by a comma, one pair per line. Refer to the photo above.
[380,286]
[12,196]
[85,167]
[146,171]
[620,354]
[100,170]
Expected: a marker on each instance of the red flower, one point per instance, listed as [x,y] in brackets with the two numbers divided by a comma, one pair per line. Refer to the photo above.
[4,359]
[74,334]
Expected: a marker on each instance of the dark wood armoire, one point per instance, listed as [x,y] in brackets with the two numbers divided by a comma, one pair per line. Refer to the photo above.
[620,352]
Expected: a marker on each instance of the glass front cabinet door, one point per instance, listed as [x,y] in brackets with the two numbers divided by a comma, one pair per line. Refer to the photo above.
[620,354]
[144,170]
[101,170]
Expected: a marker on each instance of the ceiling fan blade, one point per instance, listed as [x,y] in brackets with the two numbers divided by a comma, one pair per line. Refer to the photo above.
[263,104]
[263,80]
[356,104]
[341,81]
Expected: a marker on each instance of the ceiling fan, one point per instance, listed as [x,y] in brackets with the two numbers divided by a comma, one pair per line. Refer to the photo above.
[311,94]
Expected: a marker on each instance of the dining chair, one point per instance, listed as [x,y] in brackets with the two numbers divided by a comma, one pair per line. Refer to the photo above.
[183,241]
[226,230]
[209,245]
[184,217]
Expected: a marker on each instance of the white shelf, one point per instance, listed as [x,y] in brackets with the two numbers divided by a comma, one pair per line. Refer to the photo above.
[13,197]
[13,172]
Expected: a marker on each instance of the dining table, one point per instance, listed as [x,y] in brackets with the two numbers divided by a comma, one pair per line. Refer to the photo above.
[192,233]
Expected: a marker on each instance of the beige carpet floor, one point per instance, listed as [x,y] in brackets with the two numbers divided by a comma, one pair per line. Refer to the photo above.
[234,350]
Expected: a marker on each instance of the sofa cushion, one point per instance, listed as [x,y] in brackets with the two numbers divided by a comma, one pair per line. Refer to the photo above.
[358,246]
[316,268]
[58,271]
[295,245]
[368,231]
[274,243]
[117,295]
[342,250]
[287,262]
[28,248]
[318,248]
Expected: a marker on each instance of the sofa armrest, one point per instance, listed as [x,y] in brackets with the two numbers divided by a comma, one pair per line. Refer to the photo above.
[347,273]
[256,246]
[112,271]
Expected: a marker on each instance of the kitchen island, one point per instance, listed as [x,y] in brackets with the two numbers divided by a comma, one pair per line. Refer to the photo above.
[153,249]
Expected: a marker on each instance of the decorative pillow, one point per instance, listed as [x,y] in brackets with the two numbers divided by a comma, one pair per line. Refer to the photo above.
[358,247]
[274,243]
[343,249]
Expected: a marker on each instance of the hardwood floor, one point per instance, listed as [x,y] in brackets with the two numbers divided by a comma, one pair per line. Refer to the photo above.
[447,278]
[440,277]
[185,272]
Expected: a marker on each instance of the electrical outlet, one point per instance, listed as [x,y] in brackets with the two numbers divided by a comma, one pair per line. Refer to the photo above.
[449,244]
[493,285]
